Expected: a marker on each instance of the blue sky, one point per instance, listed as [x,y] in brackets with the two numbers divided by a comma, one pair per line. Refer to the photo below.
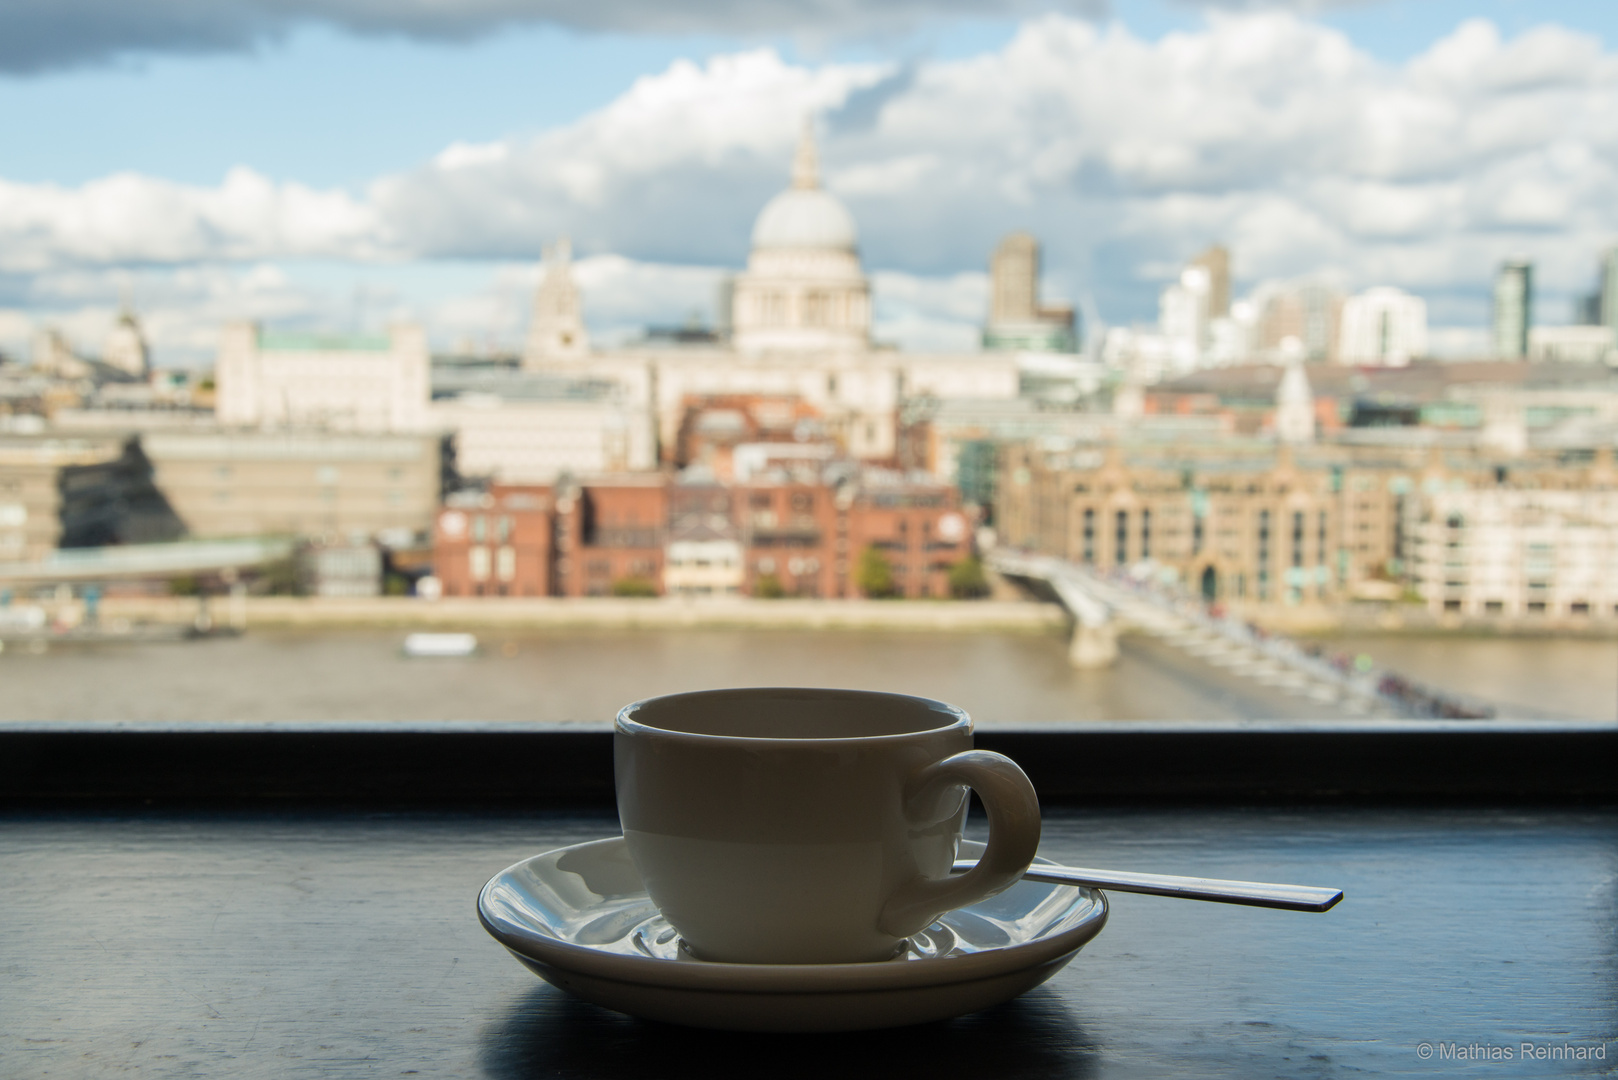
[362,116]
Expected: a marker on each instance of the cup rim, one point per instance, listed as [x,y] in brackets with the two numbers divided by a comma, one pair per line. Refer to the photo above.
[955,718]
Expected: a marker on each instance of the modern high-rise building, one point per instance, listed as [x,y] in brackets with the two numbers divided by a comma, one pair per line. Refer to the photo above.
[1216,260]
[1384,327]
[1309,311]
[1607,292]
[1513,307]
[1183,317]
[1017,319]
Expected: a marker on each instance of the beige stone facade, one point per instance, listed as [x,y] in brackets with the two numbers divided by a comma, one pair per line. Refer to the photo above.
[1539,544]
[304,483]
[1469,534]
[515,441]
[31,489]
[272,379]
[1260,527]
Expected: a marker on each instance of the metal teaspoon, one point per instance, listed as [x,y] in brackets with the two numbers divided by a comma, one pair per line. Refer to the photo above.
[1251,893]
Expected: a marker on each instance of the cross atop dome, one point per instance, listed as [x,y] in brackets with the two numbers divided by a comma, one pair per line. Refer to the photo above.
[806,163]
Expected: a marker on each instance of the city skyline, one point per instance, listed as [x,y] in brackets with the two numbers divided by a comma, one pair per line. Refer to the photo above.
[1334,175]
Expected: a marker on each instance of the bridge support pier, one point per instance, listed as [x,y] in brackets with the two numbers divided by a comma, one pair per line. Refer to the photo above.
[1093,646]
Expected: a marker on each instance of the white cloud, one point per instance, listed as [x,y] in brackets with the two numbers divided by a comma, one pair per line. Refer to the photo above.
[930,314]
[129,219]
[891,177]
[1264,130]
[181,309]
[459,155]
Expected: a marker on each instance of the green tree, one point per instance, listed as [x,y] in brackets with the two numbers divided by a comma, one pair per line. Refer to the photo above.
[634,586]
[769,587]
[279,578]
[874,575]
[967,580]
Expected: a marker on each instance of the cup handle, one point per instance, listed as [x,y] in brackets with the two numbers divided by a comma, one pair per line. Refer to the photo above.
[1013,810]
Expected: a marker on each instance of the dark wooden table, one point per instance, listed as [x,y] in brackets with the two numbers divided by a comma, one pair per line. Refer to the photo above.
[277,943]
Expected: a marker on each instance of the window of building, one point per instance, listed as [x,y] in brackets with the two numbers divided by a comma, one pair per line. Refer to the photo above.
[1146,534]
[1263,554]
[1089,535]
[1121,538]
[478,563]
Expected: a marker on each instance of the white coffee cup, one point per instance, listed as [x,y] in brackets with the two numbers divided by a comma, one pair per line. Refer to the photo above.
[797,826]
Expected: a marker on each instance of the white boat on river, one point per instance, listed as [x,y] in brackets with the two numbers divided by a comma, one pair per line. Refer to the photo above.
[440,645]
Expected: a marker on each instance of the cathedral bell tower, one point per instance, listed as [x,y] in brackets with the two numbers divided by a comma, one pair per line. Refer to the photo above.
[557,331]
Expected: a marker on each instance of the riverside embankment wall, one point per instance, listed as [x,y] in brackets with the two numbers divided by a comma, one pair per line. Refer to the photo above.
[606,613]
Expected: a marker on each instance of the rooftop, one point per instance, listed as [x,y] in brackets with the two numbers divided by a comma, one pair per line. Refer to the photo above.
[296,341]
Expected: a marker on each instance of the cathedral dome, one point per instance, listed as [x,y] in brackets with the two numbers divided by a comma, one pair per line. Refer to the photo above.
[804,216]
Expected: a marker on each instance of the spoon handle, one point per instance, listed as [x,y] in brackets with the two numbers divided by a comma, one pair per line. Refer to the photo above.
[1251,893]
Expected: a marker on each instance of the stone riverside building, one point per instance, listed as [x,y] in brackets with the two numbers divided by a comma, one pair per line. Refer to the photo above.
[304,483]
[1534,544]
[1260,527]
[1259,524]
[207,484]
[772,535]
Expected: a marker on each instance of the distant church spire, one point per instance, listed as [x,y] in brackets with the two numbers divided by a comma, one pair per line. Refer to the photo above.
[557,330]
[806,164]
[126,347]
[1294,405]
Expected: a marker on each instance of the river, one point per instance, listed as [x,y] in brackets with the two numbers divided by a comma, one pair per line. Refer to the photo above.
[574,676]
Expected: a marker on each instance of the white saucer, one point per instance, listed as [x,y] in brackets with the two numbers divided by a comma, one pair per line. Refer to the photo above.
[580,919]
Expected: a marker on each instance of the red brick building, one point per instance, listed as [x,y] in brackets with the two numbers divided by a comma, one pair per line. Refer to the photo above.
[495,544]
[811,537]
[609,536]
[789,533]
[919,529]
[712,426]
